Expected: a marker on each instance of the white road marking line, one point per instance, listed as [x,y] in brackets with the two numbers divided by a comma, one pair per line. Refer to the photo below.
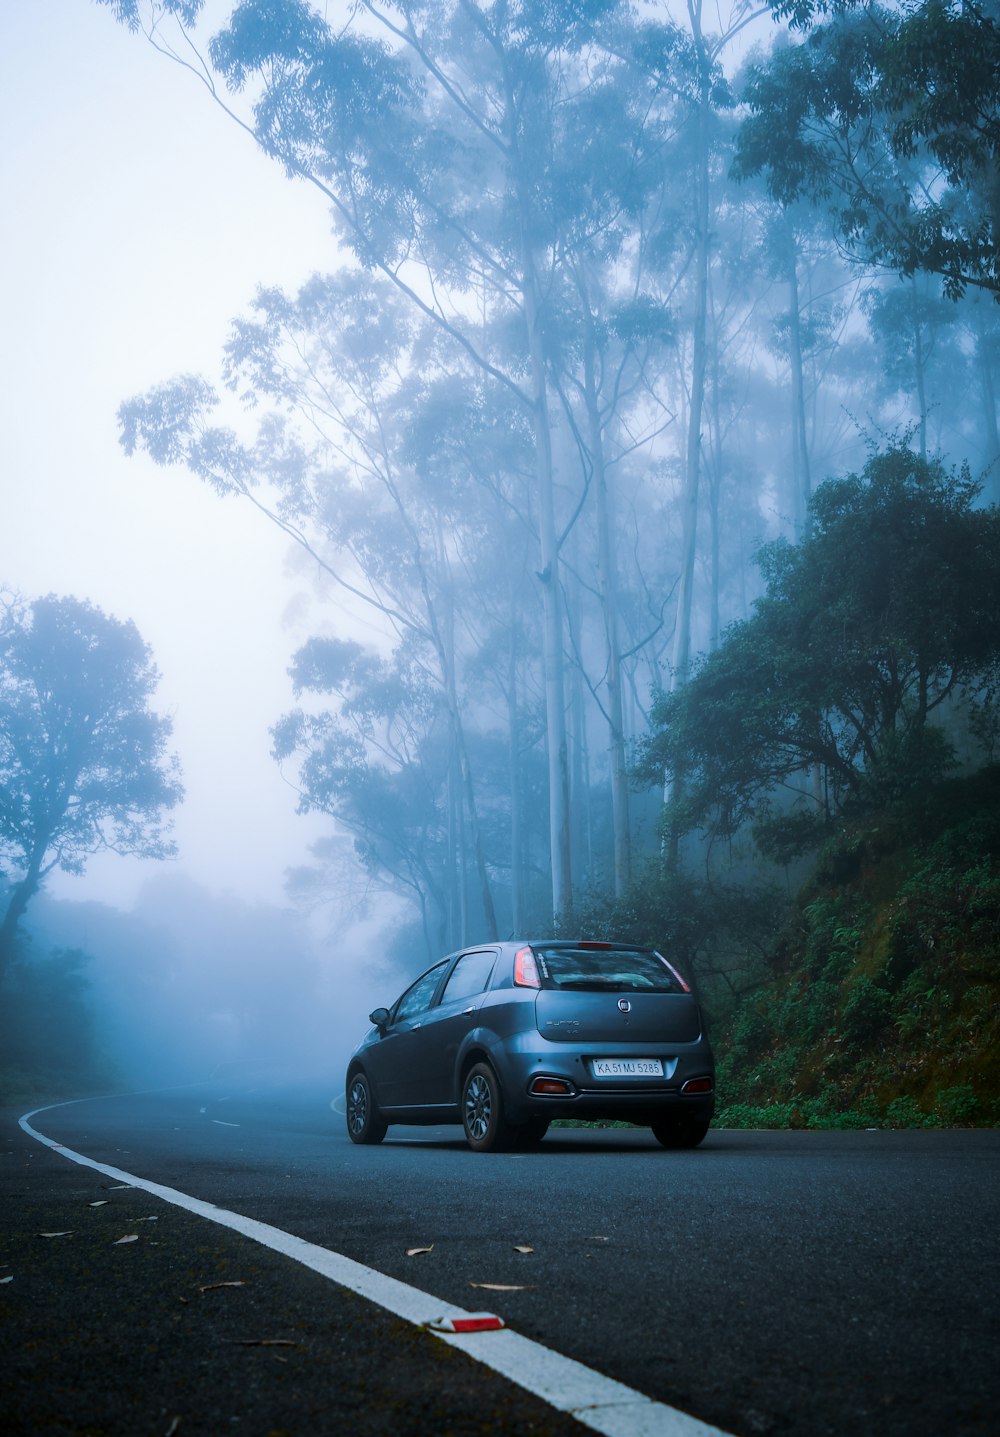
[595,1401]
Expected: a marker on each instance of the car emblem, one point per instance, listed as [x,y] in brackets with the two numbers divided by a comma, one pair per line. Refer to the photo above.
[624,1005]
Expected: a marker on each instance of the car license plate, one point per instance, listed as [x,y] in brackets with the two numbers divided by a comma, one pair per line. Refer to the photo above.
[626,1067]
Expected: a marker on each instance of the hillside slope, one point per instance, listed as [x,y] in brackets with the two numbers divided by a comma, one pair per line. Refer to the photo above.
[881,1006]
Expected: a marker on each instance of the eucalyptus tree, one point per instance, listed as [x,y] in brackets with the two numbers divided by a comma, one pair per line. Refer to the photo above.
[438,134]
[338,373]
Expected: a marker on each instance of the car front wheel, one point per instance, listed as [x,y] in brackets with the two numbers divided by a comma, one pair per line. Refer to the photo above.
[678,1131]
[486,1128]
[364,1121]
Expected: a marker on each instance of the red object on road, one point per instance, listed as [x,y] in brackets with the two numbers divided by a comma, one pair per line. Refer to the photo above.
[471,1322]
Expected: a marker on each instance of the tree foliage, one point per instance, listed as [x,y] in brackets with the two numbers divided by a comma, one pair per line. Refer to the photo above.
[889,116]
[83,758]
[885,611]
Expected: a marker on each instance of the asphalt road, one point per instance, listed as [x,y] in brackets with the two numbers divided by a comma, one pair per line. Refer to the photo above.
[799,1283]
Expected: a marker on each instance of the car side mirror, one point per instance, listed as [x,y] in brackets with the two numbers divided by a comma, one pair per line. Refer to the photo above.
[380,1017]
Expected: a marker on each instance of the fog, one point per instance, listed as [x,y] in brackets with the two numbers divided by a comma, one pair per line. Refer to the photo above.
[187,985]
[430,477]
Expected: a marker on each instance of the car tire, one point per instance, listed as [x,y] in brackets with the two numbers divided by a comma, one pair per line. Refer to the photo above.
[486,1128]
[678,1131]
[531,1133]
[365,1123]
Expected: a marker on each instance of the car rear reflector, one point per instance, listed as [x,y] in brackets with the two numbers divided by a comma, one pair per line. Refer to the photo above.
[697,1085]
[526,973]
[471,1322]
[552,1088]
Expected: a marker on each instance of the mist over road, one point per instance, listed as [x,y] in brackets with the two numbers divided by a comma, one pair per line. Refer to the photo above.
[805,1282]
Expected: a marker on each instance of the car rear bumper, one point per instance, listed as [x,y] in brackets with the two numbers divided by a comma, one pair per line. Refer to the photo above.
[629,1099]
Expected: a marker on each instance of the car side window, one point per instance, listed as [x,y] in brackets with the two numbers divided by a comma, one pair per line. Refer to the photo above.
[470,976]
[417,998]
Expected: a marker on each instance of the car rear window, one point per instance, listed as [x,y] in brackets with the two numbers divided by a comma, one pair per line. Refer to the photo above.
[614,970]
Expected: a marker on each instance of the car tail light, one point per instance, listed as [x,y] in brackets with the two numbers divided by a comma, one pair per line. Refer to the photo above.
[674,972]
[697,1085]
[551,1088]
[526,969]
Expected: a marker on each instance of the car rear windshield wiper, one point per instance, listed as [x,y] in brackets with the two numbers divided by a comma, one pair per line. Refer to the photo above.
[602,985]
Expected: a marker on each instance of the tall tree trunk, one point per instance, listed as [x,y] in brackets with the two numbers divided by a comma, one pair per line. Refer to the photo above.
[583,837]
[801,478]
[681,662]
[469,791]
[715,491]
[987,387]
[442,634]
[453,910]
[919,364]
[681,659]
[552,647]
[20,896]
[514,768]
[607,581]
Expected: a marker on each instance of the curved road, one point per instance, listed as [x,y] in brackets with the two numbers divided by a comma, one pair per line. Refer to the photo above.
[800,1283]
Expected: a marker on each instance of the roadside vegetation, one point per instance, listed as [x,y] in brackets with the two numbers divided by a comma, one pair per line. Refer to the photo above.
[879,1002]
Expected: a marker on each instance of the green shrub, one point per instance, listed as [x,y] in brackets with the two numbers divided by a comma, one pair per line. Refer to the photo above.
[957,1106]
[905,1112]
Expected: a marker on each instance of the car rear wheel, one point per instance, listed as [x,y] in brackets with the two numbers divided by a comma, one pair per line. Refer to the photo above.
[365,1123]
[531,1133]
[678,1131]
[486,1128]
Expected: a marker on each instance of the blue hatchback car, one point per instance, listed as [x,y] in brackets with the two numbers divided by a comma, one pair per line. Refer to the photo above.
[504,1037]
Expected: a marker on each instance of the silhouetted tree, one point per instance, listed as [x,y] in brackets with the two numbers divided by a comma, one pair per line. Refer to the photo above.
[83,759]
[889,116]
[866,628]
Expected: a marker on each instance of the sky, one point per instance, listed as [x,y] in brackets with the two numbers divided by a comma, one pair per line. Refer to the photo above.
[135,222]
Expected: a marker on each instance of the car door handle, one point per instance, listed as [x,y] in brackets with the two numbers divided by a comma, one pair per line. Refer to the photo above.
[415,1026]
[467,1011]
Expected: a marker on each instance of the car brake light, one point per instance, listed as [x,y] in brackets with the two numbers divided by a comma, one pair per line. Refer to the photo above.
[593,943]
[526,969]
[697,1085]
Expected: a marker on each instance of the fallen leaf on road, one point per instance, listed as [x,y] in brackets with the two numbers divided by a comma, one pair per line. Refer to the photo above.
[519,1248]
[7,1279]
[172,1428]
[208,1286]
[101,1202]
[56,1234]
[599,1239]
[145,1219]
[416,1251]
[117,1187]
[129,1237]
[504,1286]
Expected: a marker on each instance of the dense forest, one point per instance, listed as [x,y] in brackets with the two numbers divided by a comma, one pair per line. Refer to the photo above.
[640,430]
